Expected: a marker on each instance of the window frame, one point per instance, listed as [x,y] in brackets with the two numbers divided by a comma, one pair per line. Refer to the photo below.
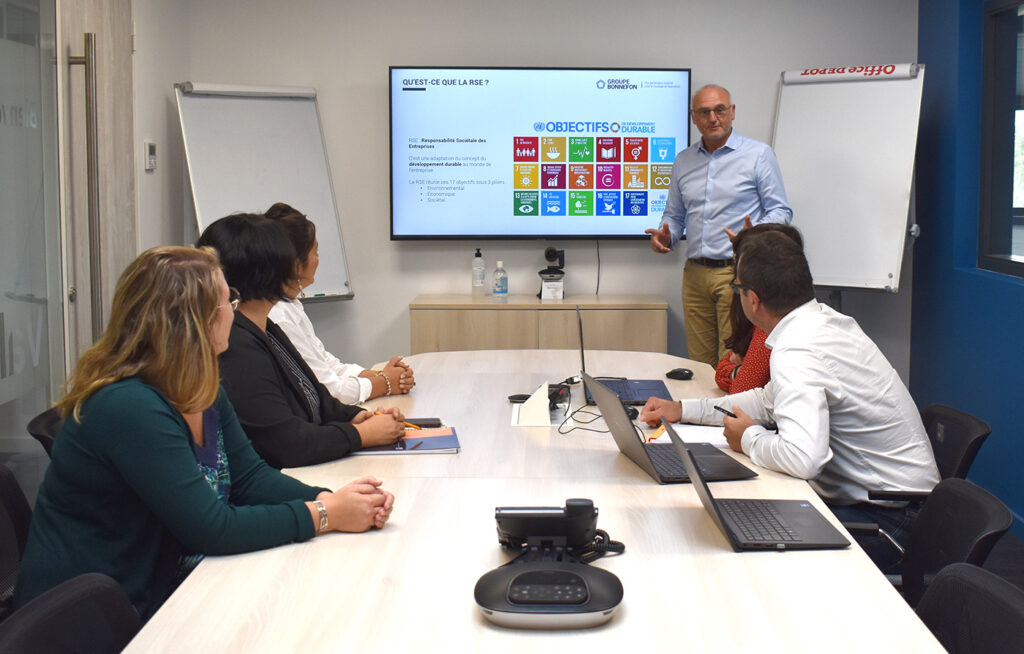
[994,137]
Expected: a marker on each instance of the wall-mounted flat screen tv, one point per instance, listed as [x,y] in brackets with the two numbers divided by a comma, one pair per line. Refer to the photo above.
[560,153]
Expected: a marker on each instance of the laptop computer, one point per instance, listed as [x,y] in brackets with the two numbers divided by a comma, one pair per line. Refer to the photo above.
[660,460]
[760,524]
[630,391]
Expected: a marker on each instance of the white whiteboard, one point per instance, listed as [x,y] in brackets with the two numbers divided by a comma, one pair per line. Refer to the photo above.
[845,142]
[249,147]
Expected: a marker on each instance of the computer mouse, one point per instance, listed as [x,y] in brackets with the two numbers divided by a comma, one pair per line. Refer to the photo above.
[632,413]
[680,373]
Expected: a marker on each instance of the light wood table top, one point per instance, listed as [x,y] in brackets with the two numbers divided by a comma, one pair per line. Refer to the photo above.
[409,587]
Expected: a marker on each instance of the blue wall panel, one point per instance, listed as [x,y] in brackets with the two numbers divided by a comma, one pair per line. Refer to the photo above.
[967,348]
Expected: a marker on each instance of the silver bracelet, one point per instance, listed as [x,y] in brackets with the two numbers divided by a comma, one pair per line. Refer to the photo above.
[322,510]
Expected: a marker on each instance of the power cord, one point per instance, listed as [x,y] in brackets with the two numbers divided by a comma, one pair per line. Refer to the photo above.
[572,416]
[602,545]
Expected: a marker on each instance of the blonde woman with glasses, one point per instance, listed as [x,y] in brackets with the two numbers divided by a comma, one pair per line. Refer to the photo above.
[151,469]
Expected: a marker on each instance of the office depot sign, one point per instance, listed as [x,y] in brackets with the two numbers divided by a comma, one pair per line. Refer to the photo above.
[847,73]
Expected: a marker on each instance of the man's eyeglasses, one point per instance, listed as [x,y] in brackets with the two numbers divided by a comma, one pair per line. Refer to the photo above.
[736,286]
[704,113]
[234,298]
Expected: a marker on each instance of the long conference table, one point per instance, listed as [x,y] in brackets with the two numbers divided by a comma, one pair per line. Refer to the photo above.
[409,586]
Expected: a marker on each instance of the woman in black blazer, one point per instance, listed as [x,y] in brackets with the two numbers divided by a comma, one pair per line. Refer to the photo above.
[290,417]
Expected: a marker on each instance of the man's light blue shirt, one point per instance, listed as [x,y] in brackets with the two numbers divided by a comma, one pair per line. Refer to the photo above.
[714,190]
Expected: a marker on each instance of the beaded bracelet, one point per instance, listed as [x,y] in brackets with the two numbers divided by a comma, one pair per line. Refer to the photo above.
[380,373]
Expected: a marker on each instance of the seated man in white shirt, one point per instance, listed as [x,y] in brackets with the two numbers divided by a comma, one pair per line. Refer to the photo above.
[350,383]
[845,421]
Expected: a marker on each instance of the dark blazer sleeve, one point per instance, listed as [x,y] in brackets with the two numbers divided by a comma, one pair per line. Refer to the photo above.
[253,482]
[270,408]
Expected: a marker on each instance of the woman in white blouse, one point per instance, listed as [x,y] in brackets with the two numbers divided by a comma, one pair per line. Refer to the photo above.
[350,383]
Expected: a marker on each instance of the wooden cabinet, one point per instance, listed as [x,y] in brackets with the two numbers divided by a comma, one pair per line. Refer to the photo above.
[441,323]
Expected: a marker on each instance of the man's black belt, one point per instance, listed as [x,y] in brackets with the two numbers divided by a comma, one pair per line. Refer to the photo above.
[712,263]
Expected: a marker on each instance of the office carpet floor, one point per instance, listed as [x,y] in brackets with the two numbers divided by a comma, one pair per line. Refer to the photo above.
[1007,559]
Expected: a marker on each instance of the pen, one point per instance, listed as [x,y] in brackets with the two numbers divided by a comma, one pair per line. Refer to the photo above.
[725,411]
[407,424]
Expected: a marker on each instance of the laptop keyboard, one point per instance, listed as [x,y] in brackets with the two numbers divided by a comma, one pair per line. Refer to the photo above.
[757,520]
[666,461]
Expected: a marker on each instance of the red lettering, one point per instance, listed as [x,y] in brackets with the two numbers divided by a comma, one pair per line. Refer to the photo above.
[889,70]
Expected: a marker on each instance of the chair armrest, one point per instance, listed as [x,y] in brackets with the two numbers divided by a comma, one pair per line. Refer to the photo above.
[861,528]
[898,496]
[871,529]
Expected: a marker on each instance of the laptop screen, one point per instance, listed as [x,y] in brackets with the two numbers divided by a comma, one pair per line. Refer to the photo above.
[696,478]
[579,321]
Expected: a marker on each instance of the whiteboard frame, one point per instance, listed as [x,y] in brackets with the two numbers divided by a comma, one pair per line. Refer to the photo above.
[846,262]
[321,289]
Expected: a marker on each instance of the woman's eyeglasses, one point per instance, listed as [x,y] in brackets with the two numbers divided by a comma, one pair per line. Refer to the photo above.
[234,298]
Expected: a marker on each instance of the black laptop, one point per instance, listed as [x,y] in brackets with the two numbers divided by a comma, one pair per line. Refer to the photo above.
[760,524]
[660,460]
[630,391]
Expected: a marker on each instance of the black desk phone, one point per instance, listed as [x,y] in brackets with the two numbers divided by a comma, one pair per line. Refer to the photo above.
[550,584]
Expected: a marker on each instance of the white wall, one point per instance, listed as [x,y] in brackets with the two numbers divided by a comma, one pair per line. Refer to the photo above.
[344,48]
[160,60]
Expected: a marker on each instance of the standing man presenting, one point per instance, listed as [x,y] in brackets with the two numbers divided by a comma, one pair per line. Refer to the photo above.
[716,183]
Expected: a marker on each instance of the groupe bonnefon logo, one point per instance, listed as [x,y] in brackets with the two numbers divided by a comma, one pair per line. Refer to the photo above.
[600,83]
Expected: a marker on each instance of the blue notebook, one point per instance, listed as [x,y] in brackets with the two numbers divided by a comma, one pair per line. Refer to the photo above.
[430,440]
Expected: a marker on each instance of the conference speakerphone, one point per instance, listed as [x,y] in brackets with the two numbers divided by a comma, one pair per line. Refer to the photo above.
[550,584]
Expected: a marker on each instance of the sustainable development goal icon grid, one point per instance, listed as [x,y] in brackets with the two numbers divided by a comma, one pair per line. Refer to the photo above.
[591,176]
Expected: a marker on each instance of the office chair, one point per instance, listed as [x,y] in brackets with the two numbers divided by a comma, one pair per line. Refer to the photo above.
[15,515]
[972,611]
[958,523]
[44,428]
[955,436]
[87,614]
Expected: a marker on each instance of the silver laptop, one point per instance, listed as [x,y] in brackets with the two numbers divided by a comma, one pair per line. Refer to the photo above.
[631,391]
[760,524]
[660,460]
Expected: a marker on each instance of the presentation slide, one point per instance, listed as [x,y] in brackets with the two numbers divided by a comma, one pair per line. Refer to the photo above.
[558,153]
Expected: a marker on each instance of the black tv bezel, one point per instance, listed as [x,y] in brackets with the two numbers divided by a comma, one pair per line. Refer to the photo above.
[506,237]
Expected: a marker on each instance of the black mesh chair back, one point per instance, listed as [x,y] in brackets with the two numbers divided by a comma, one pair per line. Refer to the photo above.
[44,428]
[958,523]
[956,438]
[15,516]
[972,611]
[88,614]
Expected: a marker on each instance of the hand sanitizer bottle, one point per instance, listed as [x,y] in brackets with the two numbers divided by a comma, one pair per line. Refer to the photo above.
[500,283]
[479,275]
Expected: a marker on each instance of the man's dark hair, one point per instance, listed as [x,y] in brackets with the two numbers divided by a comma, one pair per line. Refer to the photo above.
[742,329]
[300,229]
[761,228]
[774,266]
[255,252]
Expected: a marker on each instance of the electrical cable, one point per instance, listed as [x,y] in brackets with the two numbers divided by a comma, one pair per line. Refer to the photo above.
[601,546]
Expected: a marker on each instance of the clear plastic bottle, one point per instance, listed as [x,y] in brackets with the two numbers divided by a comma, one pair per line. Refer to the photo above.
[479,276]
[500,282]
